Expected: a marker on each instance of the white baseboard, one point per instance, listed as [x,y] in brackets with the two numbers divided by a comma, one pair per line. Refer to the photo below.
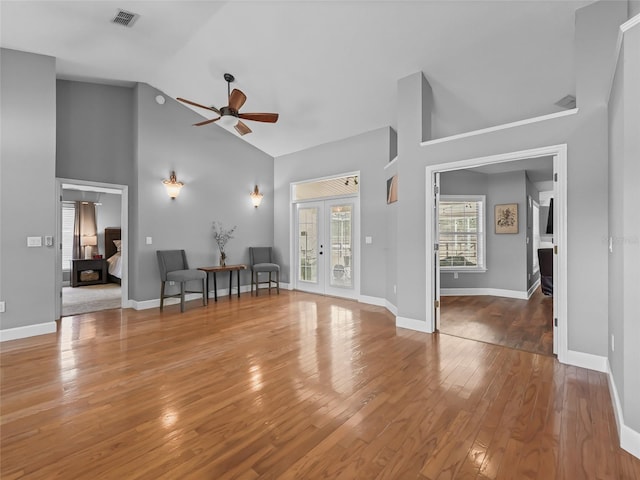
[391,307]
[380,302]
[586,360]
[533,288]
[27,331]
[629,438]
[222,292]
[492,292]
[412,324]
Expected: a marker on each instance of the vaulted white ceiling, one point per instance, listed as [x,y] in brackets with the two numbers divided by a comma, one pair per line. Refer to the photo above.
[330,68]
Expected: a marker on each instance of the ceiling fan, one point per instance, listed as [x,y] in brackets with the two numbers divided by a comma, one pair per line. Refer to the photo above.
[229,115]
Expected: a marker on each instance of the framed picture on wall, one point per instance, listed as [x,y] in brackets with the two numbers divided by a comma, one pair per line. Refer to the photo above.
[392,189]
[506,218]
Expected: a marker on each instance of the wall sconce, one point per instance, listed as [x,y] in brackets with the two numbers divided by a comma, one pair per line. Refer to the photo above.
[256,197]
[173,186]
[88,242]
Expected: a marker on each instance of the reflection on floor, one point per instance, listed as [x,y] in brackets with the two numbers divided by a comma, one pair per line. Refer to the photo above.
[90,298]
[522,324]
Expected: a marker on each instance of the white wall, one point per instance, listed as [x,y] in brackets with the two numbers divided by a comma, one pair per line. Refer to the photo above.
[27,152]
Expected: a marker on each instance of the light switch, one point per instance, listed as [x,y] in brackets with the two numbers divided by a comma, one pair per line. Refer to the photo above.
[149,240]
[34,241]
[368,240]
[2,307]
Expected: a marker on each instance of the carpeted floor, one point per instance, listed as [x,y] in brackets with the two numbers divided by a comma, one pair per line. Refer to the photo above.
[90,298]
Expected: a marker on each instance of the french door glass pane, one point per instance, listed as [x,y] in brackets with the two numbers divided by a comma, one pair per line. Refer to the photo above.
[341,245]
[308,241]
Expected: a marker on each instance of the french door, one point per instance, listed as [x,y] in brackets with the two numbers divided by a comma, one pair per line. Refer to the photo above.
[327,239]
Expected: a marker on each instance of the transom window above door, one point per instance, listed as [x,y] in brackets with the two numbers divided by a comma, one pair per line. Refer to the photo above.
[326,188]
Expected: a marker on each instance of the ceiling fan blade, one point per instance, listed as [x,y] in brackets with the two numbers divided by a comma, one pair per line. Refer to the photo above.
[213,109]
[237,99]
[260,117]
[242,129]
[206,122]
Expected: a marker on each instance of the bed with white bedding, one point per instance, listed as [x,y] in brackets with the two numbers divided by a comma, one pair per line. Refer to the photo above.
[113,251]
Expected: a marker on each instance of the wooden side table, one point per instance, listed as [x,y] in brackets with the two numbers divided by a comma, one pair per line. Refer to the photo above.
[80,265]
[226,268]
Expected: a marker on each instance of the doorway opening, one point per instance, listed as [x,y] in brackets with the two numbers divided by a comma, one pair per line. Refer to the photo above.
[91,266]
[326,239]
[486,277]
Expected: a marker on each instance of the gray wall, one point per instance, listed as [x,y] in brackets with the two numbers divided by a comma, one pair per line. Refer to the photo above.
[219,171]
[27,148]
[506,254]
[368,153]
[586,136]
[121,135]
[95,132]
[624,227]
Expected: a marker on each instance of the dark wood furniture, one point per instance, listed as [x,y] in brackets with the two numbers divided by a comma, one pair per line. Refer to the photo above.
[111,234]
[78,266]
[226,268]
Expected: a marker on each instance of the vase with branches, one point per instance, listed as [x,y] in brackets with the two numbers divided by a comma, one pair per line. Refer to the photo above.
[222,236]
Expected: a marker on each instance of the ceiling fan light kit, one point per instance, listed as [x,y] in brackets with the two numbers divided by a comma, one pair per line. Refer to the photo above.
[230,116]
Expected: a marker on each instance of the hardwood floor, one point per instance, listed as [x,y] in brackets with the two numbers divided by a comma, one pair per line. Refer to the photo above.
[522,324]
[294,386]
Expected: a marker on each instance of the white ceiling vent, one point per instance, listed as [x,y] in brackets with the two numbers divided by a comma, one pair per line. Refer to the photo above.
[124,18]
[567,102]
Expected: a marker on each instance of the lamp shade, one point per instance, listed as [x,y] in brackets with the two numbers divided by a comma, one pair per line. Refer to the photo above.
[88,240]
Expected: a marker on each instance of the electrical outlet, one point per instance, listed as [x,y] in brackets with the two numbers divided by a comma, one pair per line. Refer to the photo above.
[172,283]
[455,275]
[613,343]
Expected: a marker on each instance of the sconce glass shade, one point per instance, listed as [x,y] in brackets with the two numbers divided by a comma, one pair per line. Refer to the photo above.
[173,186]
[228,121]
[256,197]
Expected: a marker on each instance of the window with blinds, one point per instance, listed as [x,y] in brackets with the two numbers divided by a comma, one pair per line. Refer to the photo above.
[461,221]
[68,218]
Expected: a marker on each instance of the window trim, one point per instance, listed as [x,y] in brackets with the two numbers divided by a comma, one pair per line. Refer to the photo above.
[482,236]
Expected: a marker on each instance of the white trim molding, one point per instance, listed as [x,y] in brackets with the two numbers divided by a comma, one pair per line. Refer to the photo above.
[492,292]
[222,292]
[27,331]
[533,288]
[629,438]
[559,152]
[380,302]
[586,360]
[505,126]
[412,324]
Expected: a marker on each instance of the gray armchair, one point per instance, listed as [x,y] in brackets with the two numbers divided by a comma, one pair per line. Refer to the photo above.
[261,259]
[174,268]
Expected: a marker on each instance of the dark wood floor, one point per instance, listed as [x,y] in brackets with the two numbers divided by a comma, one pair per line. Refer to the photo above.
[522,324]
[294,386]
